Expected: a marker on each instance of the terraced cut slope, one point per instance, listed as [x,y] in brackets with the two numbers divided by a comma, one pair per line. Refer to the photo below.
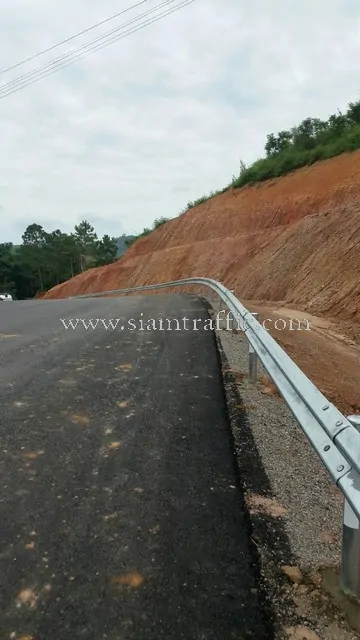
[290,242]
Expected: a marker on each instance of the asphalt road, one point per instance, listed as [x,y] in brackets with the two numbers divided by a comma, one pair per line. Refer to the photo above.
[120,513]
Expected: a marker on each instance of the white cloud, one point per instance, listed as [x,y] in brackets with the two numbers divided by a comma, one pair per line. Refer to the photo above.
[136,130]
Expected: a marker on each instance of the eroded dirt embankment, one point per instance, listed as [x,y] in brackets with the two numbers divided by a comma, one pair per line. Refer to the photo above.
[294,241]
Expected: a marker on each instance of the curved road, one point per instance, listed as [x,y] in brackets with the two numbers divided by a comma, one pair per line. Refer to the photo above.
[120,513]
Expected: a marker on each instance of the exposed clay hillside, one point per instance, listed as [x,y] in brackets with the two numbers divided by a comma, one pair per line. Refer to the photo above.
[285,245]
[294,239]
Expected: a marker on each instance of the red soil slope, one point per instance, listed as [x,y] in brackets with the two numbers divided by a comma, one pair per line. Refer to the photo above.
[293,239]
[291,244]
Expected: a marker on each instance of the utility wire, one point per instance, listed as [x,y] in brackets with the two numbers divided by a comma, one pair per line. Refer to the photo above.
[71,54]
[58,64]
[80,33]
[43,72]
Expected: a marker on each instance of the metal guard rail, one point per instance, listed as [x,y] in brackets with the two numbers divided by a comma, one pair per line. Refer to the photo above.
[333,437]
[331,434]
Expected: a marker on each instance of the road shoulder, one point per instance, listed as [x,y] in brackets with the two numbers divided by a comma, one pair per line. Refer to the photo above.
[294,510]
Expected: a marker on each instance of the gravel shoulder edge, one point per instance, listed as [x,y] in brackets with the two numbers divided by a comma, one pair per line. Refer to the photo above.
[294,511]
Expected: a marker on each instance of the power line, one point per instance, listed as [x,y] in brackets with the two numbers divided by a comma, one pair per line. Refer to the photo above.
[80,33]
[55,63]
[43,72]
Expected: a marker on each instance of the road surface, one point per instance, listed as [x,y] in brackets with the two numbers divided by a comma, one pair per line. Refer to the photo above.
[120,512]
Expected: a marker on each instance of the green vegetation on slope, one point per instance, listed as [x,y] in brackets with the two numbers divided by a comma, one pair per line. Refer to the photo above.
[158,222]
[312,140]
[303,145]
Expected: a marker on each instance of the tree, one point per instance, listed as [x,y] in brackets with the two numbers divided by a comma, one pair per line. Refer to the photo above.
[34,240]
[353,112]
[34,235]
[271,145]
[284,140]
[7,267]
[338,123]
[86,241]
[62,255]
[106,251]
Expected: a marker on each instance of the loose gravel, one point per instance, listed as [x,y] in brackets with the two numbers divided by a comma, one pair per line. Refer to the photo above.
[298,478]
[294,507]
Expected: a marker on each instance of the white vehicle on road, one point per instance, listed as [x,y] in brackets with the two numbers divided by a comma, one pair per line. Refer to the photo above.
[5,297]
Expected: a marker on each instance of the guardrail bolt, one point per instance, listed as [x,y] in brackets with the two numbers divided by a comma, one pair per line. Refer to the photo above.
[350,553]
[327,447]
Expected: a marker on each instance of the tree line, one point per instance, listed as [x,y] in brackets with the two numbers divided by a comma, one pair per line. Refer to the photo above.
[44,259]
[312,140]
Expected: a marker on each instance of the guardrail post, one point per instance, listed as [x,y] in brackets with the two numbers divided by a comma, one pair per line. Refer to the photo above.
[252,361]
[350,553]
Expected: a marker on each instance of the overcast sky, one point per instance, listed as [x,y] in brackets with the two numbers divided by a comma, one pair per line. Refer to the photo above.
[164,115]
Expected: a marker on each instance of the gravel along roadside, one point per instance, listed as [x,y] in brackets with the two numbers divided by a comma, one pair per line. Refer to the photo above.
[294,508]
